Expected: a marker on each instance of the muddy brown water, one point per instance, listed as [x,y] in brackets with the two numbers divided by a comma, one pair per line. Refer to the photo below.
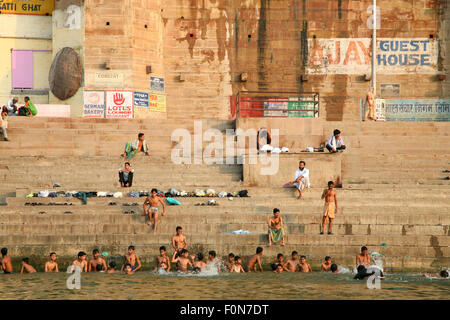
[286,286]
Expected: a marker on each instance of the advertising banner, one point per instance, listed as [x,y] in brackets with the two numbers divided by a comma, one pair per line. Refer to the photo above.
[119,104]
[141,99]
[94,104]
[157,102]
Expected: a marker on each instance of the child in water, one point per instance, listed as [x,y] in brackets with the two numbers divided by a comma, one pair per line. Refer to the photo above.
[26,266]
[128,269]
[237,266]
[444,274]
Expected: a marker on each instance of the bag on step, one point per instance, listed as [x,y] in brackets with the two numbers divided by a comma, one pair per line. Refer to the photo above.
[243,193]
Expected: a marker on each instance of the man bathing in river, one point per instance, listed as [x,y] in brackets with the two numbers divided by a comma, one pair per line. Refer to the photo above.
[96,260]
[363,258]
[330,207]
[6,265]
[230,262]
[27,267]
[292,264]
[152,212]
[179,241]
[81,262]
[182,260]
[199,264]
[255,259]
[304,266]
[162,261]
[326,266]
[131,258]
[213,260]
[52,265]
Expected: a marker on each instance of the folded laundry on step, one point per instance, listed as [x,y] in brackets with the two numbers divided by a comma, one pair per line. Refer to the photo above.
[241,232]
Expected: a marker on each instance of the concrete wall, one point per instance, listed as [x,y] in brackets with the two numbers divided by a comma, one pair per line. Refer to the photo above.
[211,43]
[68,31]
[22,32]
[323,167]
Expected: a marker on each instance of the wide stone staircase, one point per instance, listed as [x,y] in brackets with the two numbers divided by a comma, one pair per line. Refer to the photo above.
[404,217]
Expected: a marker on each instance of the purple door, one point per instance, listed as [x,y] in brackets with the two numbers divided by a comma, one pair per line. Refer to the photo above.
[22,69]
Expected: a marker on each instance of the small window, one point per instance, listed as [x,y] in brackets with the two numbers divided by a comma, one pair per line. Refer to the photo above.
[22,69]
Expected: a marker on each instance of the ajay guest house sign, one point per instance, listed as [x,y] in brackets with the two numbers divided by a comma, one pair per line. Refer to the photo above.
[33,7]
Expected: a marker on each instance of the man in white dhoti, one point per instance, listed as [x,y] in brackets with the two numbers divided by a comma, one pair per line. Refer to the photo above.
[301,178]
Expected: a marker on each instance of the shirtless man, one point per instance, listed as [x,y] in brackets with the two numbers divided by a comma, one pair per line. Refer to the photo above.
[330,207]
[255,259]
[370,101]
[363,258]
[162,261]
[199,264]
[27,267]
[81,262]
[280,260]
[6,261]
[97,260]
[326,266]
[276,230]
[182,260]
[131,258]
[304,266]
[52,265]
[230,262]
[179,241]
[292,264]
[153,201]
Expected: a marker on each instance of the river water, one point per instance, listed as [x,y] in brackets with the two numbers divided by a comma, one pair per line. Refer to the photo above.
[267,285]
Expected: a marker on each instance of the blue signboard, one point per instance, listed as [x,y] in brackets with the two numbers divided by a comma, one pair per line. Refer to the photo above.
[141,99]
[427,109]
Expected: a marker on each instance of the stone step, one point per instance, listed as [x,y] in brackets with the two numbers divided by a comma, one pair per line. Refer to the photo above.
[249,201]
[218,227]
[241,244]
[114,215]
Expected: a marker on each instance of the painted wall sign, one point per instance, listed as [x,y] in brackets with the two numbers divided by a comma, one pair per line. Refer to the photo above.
[119,104]
[94,104]
[353,56]
[108,79]
[423,109]
[141,99]
[29,7]
[157,102]
[274,104]
[298,103]
[157,84]
[390,89]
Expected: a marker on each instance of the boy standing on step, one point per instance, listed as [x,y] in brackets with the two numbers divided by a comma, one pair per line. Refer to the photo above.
[330,207]
[153,201]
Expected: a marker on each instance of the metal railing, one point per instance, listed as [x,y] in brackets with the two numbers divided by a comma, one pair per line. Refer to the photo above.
[258,104]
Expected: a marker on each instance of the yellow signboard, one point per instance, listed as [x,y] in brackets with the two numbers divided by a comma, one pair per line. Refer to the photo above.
[31,7]
[157,102]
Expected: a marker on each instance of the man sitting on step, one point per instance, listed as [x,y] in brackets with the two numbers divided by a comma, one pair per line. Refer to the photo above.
[335,142]
[133,148]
